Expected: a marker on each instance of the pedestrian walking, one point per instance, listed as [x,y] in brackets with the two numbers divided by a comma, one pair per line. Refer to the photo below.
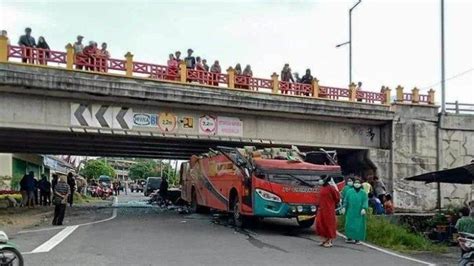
[61,194]
[326,224]
[45,191]
[355,208]
[72,185]
[28,42]
[43,52]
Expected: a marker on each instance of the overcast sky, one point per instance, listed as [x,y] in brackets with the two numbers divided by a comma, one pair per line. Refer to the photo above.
[394,42]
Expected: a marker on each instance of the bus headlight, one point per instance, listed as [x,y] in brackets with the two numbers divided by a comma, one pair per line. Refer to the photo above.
[313,208]
[267,195]
[299,208]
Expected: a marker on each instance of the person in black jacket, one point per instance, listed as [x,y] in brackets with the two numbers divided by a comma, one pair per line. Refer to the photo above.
[27,41]
[45,191]
[43,54]
[164,191]
[72,185]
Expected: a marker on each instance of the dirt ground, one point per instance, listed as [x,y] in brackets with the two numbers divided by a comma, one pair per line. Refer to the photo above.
[15,219]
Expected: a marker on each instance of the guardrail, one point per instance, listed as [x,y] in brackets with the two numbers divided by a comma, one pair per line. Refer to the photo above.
[460,108]
[130,68]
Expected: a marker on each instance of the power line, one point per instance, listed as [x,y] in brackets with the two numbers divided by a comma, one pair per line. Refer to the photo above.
[450,78]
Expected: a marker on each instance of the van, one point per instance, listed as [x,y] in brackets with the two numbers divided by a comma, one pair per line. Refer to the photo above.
[152,184]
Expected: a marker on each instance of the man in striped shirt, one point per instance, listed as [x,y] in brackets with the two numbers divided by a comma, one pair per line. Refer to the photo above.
[61,192]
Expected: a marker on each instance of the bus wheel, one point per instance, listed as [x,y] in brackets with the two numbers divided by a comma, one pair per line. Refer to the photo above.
[237,218]
[195,207]
[305,223]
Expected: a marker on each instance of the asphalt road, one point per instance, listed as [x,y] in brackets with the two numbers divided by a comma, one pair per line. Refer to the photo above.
[144,235]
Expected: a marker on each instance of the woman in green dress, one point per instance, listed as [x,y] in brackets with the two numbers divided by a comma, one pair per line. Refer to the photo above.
[355,205]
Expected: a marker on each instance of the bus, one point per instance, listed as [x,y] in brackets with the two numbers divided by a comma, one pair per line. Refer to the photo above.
[250,183]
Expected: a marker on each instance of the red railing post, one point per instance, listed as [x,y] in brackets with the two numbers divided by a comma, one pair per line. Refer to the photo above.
[275,83]
[315,88]
[69,56]
[431,96]
[3,49]
[415,95]
[129,64]
[231,78]
[352,92]
[399,94]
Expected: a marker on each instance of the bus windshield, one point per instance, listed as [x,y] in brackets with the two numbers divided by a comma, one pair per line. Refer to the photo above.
[299,178]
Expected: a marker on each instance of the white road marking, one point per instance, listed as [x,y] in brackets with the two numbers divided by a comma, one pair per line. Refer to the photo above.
[55,240]
[63,234]
[392,253]
[114,214]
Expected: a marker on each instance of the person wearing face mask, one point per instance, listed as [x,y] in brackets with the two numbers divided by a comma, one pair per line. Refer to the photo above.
[326,224]
[355,208]
[349,185]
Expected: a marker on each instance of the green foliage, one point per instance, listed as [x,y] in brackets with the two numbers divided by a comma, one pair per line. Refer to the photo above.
[385,234]
[146,168]
[95,168]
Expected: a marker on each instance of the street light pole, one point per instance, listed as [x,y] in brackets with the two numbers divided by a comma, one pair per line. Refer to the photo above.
[350,41]
[443,83]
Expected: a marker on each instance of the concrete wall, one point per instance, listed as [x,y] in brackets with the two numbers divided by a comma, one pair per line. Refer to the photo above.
[5,164]
[416,151]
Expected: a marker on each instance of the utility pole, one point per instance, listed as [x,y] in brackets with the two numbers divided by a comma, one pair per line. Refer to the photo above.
[443,83]
[350,40]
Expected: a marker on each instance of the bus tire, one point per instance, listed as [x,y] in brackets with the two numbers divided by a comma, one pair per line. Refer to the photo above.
[237,219]
[305,223]
[195,207]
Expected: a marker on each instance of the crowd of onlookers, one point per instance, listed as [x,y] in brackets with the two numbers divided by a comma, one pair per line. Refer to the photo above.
[378,199]
[91,57]
[58,192]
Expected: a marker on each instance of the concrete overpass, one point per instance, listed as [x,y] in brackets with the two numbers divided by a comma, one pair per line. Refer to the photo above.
[57,110]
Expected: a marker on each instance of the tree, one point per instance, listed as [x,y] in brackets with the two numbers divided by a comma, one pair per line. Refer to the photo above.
[95,168]
[146,168]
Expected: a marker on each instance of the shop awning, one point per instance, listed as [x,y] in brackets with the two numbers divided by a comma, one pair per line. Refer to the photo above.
[458,175]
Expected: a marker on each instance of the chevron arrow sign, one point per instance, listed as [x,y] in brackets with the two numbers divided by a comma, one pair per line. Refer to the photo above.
[123,117]
[102,116]
[80,115]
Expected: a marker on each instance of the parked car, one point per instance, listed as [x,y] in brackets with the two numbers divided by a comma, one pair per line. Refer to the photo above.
[137,186]
[152,184]
[105,180]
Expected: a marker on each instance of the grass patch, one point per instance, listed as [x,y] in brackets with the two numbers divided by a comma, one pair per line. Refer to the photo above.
[80,198]
[381,232]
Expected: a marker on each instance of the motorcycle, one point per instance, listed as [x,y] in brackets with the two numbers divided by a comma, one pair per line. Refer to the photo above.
[9,254]
[466,242]
[104,192]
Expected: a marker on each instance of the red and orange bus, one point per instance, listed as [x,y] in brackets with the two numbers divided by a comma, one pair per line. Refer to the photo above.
[254,183]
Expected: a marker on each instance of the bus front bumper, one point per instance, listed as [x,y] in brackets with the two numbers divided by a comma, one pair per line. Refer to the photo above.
[267,208]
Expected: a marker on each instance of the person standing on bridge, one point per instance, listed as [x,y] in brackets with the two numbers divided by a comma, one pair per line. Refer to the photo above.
[326,224]
[215,69]
[204,63]
[190,60]
[29,42]
[61,194]
[286,76]
[177,56]
[247,74]
[43,54]
[355,206]
[78,50]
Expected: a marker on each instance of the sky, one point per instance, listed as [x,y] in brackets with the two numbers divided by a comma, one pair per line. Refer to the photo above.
[395,42]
